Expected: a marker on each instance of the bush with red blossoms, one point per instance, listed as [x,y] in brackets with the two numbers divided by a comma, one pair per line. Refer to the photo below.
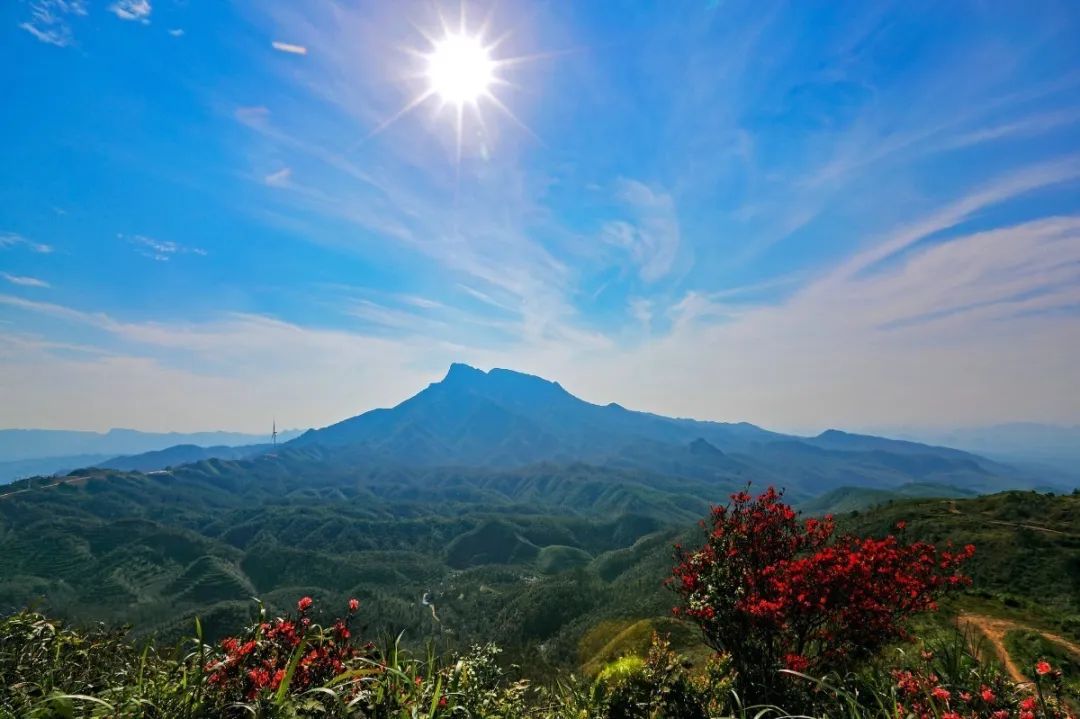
[258,662]
[779,592]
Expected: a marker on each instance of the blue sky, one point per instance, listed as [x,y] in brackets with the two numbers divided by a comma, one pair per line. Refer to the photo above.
[798,214]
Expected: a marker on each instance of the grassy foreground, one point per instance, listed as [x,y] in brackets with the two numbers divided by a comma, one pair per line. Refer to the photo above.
[51,670]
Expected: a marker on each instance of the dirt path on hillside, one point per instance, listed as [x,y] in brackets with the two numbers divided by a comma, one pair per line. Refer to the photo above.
[1034,527]
[994,629]
[73,480]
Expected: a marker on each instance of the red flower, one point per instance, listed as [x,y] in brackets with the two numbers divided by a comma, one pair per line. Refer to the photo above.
[987,695]
[354,604]
[796,662]
[259,677]
[941,693]
[1043,668]
[304,604]
[1028,704]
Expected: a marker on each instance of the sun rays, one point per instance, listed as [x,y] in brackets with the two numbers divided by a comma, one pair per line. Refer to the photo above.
[461,72]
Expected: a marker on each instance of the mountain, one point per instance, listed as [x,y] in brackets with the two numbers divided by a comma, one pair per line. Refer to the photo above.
[506,419]
[22,444]
[181,454]
[854,499]
[520,507]
[46,452]
[1042,445]
[46,466]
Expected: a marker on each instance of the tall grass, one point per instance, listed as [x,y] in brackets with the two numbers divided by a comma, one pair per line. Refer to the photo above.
[52,671]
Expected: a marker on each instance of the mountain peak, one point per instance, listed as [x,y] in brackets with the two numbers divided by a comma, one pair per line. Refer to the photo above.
[459,371]
[497,379]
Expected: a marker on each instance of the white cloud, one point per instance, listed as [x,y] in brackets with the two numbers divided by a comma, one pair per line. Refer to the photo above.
[1027,126]
[651,238]
[279,178]
[975,329]
[12,239]
[49,20]
[177,32]
[980,327]
[161,250]
[641,309]
[24,281]
[135,10]
[289,48]
[996,191]
[241,370]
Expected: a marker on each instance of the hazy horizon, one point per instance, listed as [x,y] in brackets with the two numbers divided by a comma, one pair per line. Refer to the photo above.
[882,430]
[855,215]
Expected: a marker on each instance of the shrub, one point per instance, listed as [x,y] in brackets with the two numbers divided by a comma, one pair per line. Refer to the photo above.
[482,688]
[293,652]
[661,686]
[778,592]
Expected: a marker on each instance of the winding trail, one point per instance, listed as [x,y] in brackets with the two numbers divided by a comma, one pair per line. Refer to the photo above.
[995,628]
[69,480]
[1033,527]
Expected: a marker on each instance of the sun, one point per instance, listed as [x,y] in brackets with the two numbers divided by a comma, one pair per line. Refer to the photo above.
[460,69]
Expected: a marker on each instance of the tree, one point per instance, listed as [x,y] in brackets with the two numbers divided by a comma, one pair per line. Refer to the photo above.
[776,591]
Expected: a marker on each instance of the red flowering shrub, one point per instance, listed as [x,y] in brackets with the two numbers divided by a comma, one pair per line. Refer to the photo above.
[260,661]
[776,591]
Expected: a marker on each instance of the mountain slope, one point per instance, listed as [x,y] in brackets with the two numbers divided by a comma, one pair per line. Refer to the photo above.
[20,444]
[181,454]
[507,419]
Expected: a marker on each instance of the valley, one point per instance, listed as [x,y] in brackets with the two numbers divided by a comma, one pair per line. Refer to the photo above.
[563,524]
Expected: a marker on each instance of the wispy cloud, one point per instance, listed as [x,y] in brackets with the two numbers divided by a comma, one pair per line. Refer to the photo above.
[651,237]
[982,325]
[133,10]
[191,367]
[279,178]
[50,20]
[289,48]
[23,280]
[161,250]
[12,239]
[1024,127]
[641,309]
[177,32]
[998,190]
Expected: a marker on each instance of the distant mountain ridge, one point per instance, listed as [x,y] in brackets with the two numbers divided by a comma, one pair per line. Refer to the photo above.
[44,452]
[181,454]
[505,419]
[508,421]
[22,444]
[1047,445]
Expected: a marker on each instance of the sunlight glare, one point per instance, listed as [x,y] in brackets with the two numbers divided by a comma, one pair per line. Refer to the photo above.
[460,69]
